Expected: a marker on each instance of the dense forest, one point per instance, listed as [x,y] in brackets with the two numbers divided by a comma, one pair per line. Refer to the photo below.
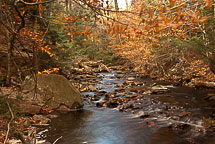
[165,40]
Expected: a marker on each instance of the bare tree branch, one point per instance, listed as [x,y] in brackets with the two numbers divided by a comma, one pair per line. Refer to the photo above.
[31,4]
[8,125]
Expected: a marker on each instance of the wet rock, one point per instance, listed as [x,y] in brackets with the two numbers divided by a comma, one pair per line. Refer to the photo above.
[182,114]
[103,68]
[159,89]
[137,106]
[51,116]
[120,90]
[120,95]
[175,118]
[41,119]
[87,68]
[43,142]
[31,137]
[63,109]
[101,93]
[14,141]
[150,123]
[210,96]
[128,82]
[142,114]
[134,96]
[90,76]
[120,108]
[101,101]
[120,72]
[27,123]
[213,115]
[131,79]
[112,103]
[120,75]
[93,64]
[77,70]
[124,107]
[137,90]
[119,85]
[138,83]
[181,127]
[101,104]
[92,88]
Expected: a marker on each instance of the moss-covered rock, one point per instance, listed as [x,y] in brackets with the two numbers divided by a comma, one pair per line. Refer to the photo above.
[55,90]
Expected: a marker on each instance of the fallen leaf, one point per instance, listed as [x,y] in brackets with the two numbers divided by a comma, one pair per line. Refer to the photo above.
[182,114]
[150,123]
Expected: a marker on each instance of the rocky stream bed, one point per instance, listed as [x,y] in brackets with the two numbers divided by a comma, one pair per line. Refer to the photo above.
[124,108]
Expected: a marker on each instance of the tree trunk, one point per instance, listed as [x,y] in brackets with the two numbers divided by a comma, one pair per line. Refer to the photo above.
[116,5]
[66,4]
[126,1]
[0,6]
[11,44]
[49,12]
[9,58]
[70,5]
[212,62]
[35,57]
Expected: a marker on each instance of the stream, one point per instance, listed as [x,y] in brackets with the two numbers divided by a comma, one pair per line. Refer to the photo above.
[177,115]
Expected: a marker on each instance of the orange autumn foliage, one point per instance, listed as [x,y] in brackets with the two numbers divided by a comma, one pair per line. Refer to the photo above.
[134,32]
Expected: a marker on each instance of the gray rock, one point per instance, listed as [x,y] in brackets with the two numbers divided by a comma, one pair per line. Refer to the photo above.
[51,116]
[103,68]
[13,141]
[131,79]
[55,90]
[26,107]
[41,119]
[27,123]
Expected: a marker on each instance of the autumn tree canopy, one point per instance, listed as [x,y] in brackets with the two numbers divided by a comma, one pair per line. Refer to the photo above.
[143,32]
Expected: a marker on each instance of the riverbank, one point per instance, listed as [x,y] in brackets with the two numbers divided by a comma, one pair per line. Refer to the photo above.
[156,103]
[189,72]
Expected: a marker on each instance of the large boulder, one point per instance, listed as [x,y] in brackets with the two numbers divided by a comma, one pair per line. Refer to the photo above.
[56,92]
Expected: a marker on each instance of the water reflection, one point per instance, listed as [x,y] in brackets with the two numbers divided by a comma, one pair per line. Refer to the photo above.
[100,126]
[105,126]
[166,136]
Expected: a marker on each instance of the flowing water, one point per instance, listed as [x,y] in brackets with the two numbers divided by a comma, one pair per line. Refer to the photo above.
[96,125]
